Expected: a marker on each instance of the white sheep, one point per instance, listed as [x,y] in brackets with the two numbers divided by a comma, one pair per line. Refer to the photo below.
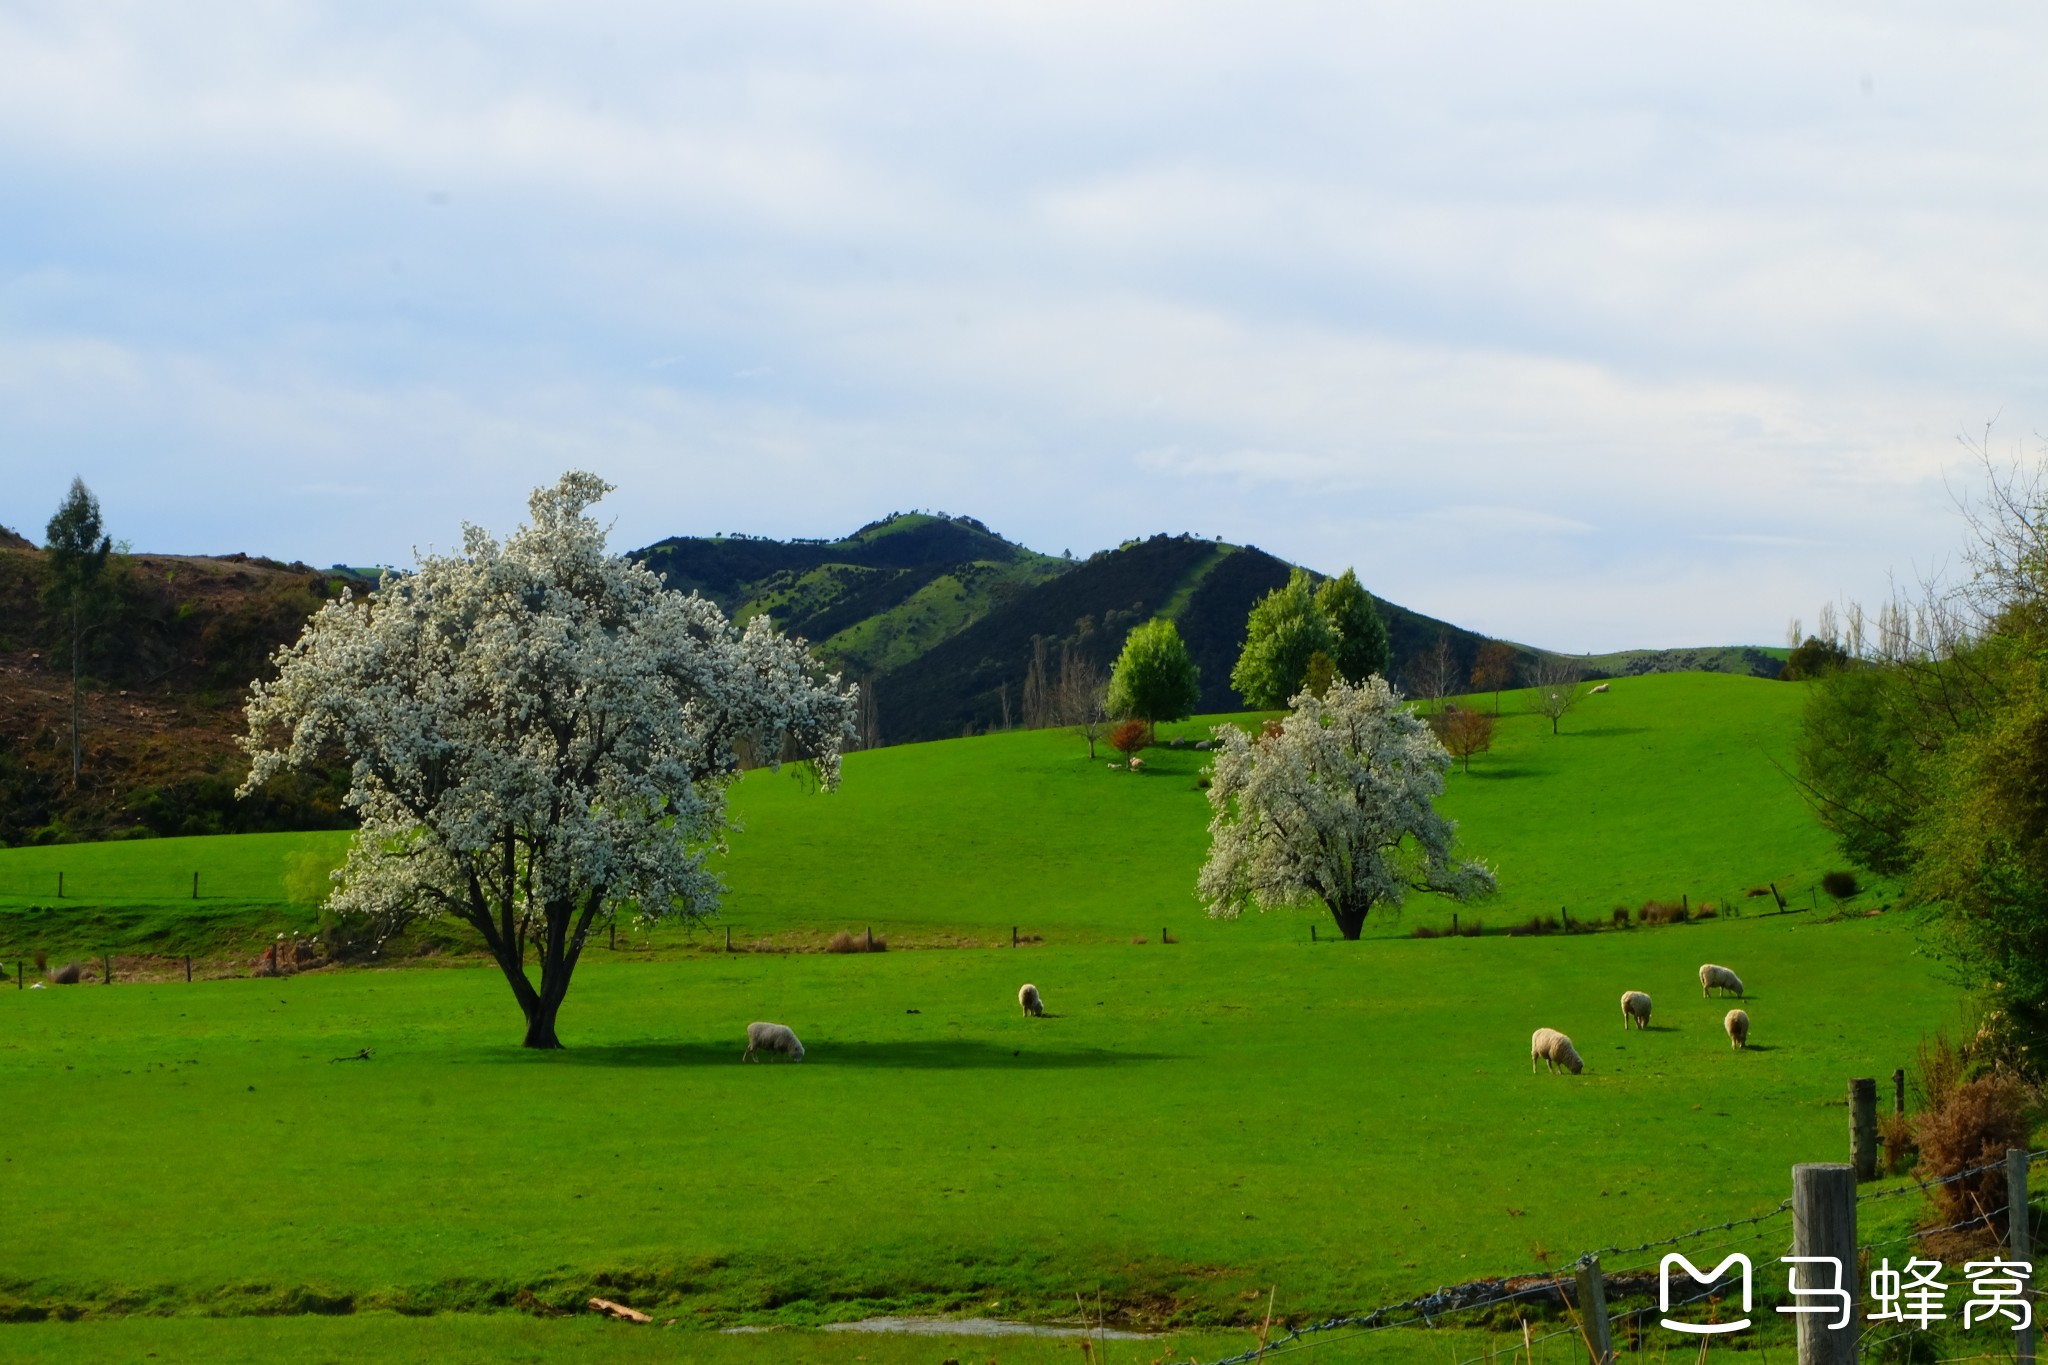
[1737,1024]
[1712,977]
[1027,996]
[772,1038]
[1635,1009]
[1556,1050]
[1598,690]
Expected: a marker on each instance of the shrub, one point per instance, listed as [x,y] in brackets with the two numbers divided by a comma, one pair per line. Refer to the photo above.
[1423,931]
[1968,1123]
[1840,885]
[1620,917]
[1706,911]
[1128,738]
[1661,912]
[844,942]
[1896,1132]
[1472,930]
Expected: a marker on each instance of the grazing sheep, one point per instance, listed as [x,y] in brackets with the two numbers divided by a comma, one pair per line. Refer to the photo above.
[1712,977]
[1737,1024]
[772,1038]
[1635,1009]
[1556,1050]
[1027,996]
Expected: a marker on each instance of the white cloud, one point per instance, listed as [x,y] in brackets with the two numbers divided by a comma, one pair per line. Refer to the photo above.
[1614,322]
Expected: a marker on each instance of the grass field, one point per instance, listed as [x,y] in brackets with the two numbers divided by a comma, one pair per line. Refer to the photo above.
[1195,1125]
[1664,787]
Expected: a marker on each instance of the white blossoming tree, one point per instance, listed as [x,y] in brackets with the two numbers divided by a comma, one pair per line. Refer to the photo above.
[540,734]
[1334,806]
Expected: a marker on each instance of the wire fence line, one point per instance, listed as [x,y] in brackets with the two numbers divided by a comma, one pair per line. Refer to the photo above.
[1475,1295]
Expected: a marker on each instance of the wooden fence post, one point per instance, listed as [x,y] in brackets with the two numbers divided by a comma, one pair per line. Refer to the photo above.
[1013,936]
[728,938]
[195,886]
[106,969]
[869,930]
[20,981]
[1593,1311]
[2019,1241]
[1311,931]
[1824,1224]
[1863,1126]
[188,966]
[1899,1091]
[60,886]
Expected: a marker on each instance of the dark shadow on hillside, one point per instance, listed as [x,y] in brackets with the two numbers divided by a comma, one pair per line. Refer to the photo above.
[1502,773]
[907,1055]
[1603,731]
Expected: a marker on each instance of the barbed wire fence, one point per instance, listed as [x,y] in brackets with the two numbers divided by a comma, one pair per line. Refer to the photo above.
[1456,1303]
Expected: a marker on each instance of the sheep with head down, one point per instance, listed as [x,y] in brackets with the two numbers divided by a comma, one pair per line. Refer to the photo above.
[1027,996]
[1714,978]
[772,1038]
[1556,1050]
[1737,1024]
[1635,1010]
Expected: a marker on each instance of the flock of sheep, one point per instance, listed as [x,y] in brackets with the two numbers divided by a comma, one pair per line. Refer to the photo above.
[780,1038]
[1556,1050]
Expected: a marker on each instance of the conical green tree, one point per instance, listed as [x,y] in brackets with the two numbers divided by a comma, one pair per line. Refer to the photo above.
[1155,679]
[1362,648]
[78,553]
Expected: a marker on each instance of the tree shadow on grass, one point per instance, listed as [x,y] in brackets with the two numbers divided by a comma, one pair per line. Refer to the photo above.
[906,1055]
[1603,731]
[1500,773]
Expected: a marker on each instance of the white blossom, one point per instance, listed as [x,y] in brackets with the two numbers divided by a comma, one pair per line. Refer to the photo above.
[1335,805]
[539,733]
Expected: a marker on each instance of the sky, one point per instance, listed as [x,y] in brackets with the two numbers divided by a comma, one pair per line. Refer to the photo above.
[1586,325]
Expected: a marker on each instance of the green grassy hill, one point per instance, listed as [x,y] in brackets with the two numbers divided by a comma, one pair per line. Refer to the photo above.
[1193,1124]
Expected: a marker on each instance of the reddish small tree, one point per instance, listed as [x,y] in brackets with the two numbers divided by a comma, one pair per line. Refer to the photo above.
[1128,738]
[1466,732]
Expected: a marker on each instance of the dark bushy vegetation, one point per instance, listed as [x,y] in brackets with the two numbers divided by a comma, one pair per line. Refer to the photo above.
[165,671]
[1840,885]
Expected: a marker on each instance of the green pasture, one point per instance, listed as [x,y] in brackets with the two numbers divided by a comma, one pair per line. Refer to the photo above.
[194,1170]
[1664,787]
[1355,1123]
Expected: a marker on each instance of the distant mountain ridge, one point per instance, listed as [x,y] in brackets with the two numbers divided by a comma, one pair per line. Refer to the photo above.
[938,615]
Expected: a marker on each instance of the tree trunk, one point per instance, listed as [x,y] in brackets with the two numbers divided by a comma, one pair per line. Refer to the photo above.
[540,1021]
[74,692]
[1349,922]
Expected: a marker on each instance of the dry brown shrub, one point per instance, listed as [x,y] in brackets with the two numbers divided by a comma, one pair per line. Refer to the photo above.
[843,942]
[1966,1124]
[1472,930]
[1661,912]
[1423,931]
[1896,1132]
[1705,911]
[1620,917]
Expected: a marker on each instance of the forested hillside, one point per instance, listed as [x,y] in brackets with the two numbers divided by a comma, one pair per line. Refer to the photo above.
[937,616]
[166,663]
